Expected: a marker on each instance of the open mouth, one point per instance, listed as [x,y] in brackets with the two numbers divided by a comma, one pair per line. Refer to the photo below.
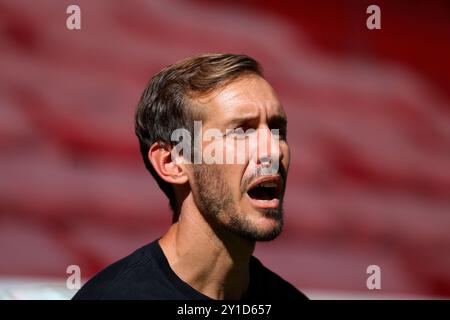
[265,192]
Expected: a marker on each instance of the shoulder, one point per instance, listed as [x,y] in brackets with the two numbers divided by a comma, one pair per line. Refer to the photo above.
[110,282]
[269,285]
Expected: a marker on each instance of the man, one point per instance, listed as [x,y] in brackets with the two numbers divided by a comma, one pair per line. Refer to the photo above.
[220,208]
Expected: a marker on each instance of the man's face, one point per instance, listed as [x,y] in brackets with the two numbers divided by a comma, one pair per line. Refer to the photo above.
[244,198]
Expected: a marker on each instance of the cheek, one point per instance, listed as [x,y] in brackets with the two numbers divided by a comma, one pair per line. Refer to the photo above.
[236,151]
[233,175]
[236,172]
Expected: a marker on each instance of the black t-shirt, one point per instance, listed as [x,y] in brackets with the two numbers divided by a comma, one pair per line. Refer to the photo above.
[146,274]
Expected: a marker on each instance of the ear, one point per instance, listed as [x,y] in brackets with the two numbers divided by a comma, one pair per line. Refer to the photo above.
[167,168]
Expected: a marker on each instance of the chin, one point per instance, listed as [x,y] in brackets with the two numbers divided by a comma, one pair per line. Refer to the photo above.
[266,224]
[269,230]
[262,228]
[267,235]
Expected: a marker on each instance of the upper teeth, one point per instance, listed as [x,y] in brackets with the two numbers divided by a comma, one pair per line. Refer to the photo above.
[267,184]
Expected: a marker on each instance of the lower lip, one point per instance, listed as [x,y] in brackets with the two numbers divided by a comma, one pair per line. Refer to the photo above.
[264,204]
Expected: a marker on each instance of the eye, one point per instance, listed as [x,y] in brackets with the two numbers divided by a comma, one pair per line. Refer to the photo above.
[279,131]
[241,129]
[278,127]
[281,134]
[239,132]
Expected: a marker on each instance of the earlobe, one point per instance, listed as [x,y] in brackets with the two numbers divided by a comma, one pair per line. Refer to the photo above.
[167,168]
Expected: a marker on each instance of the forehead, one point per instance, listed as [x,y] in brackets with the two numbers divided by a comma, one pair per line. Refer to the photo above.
[247,97]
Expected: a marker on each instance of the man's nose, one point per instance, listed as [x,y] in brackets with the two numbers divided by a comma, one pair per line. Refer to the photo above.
[268,147]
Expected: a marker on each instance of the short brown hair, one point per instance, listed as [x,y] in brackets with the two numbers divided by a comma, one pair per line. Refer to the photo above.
[164,105]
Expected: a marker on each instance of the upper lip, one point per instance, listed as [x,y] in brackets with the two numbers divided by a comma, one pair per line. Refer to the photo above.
[275,178]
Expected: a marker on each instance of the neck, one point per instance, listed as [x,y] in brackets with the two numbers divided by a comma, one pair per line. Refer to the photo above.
[212,262]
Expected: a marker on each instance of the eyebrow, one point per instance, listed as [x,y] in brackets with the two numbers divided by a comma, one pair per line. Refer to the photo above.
[277,120]
[244,118]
